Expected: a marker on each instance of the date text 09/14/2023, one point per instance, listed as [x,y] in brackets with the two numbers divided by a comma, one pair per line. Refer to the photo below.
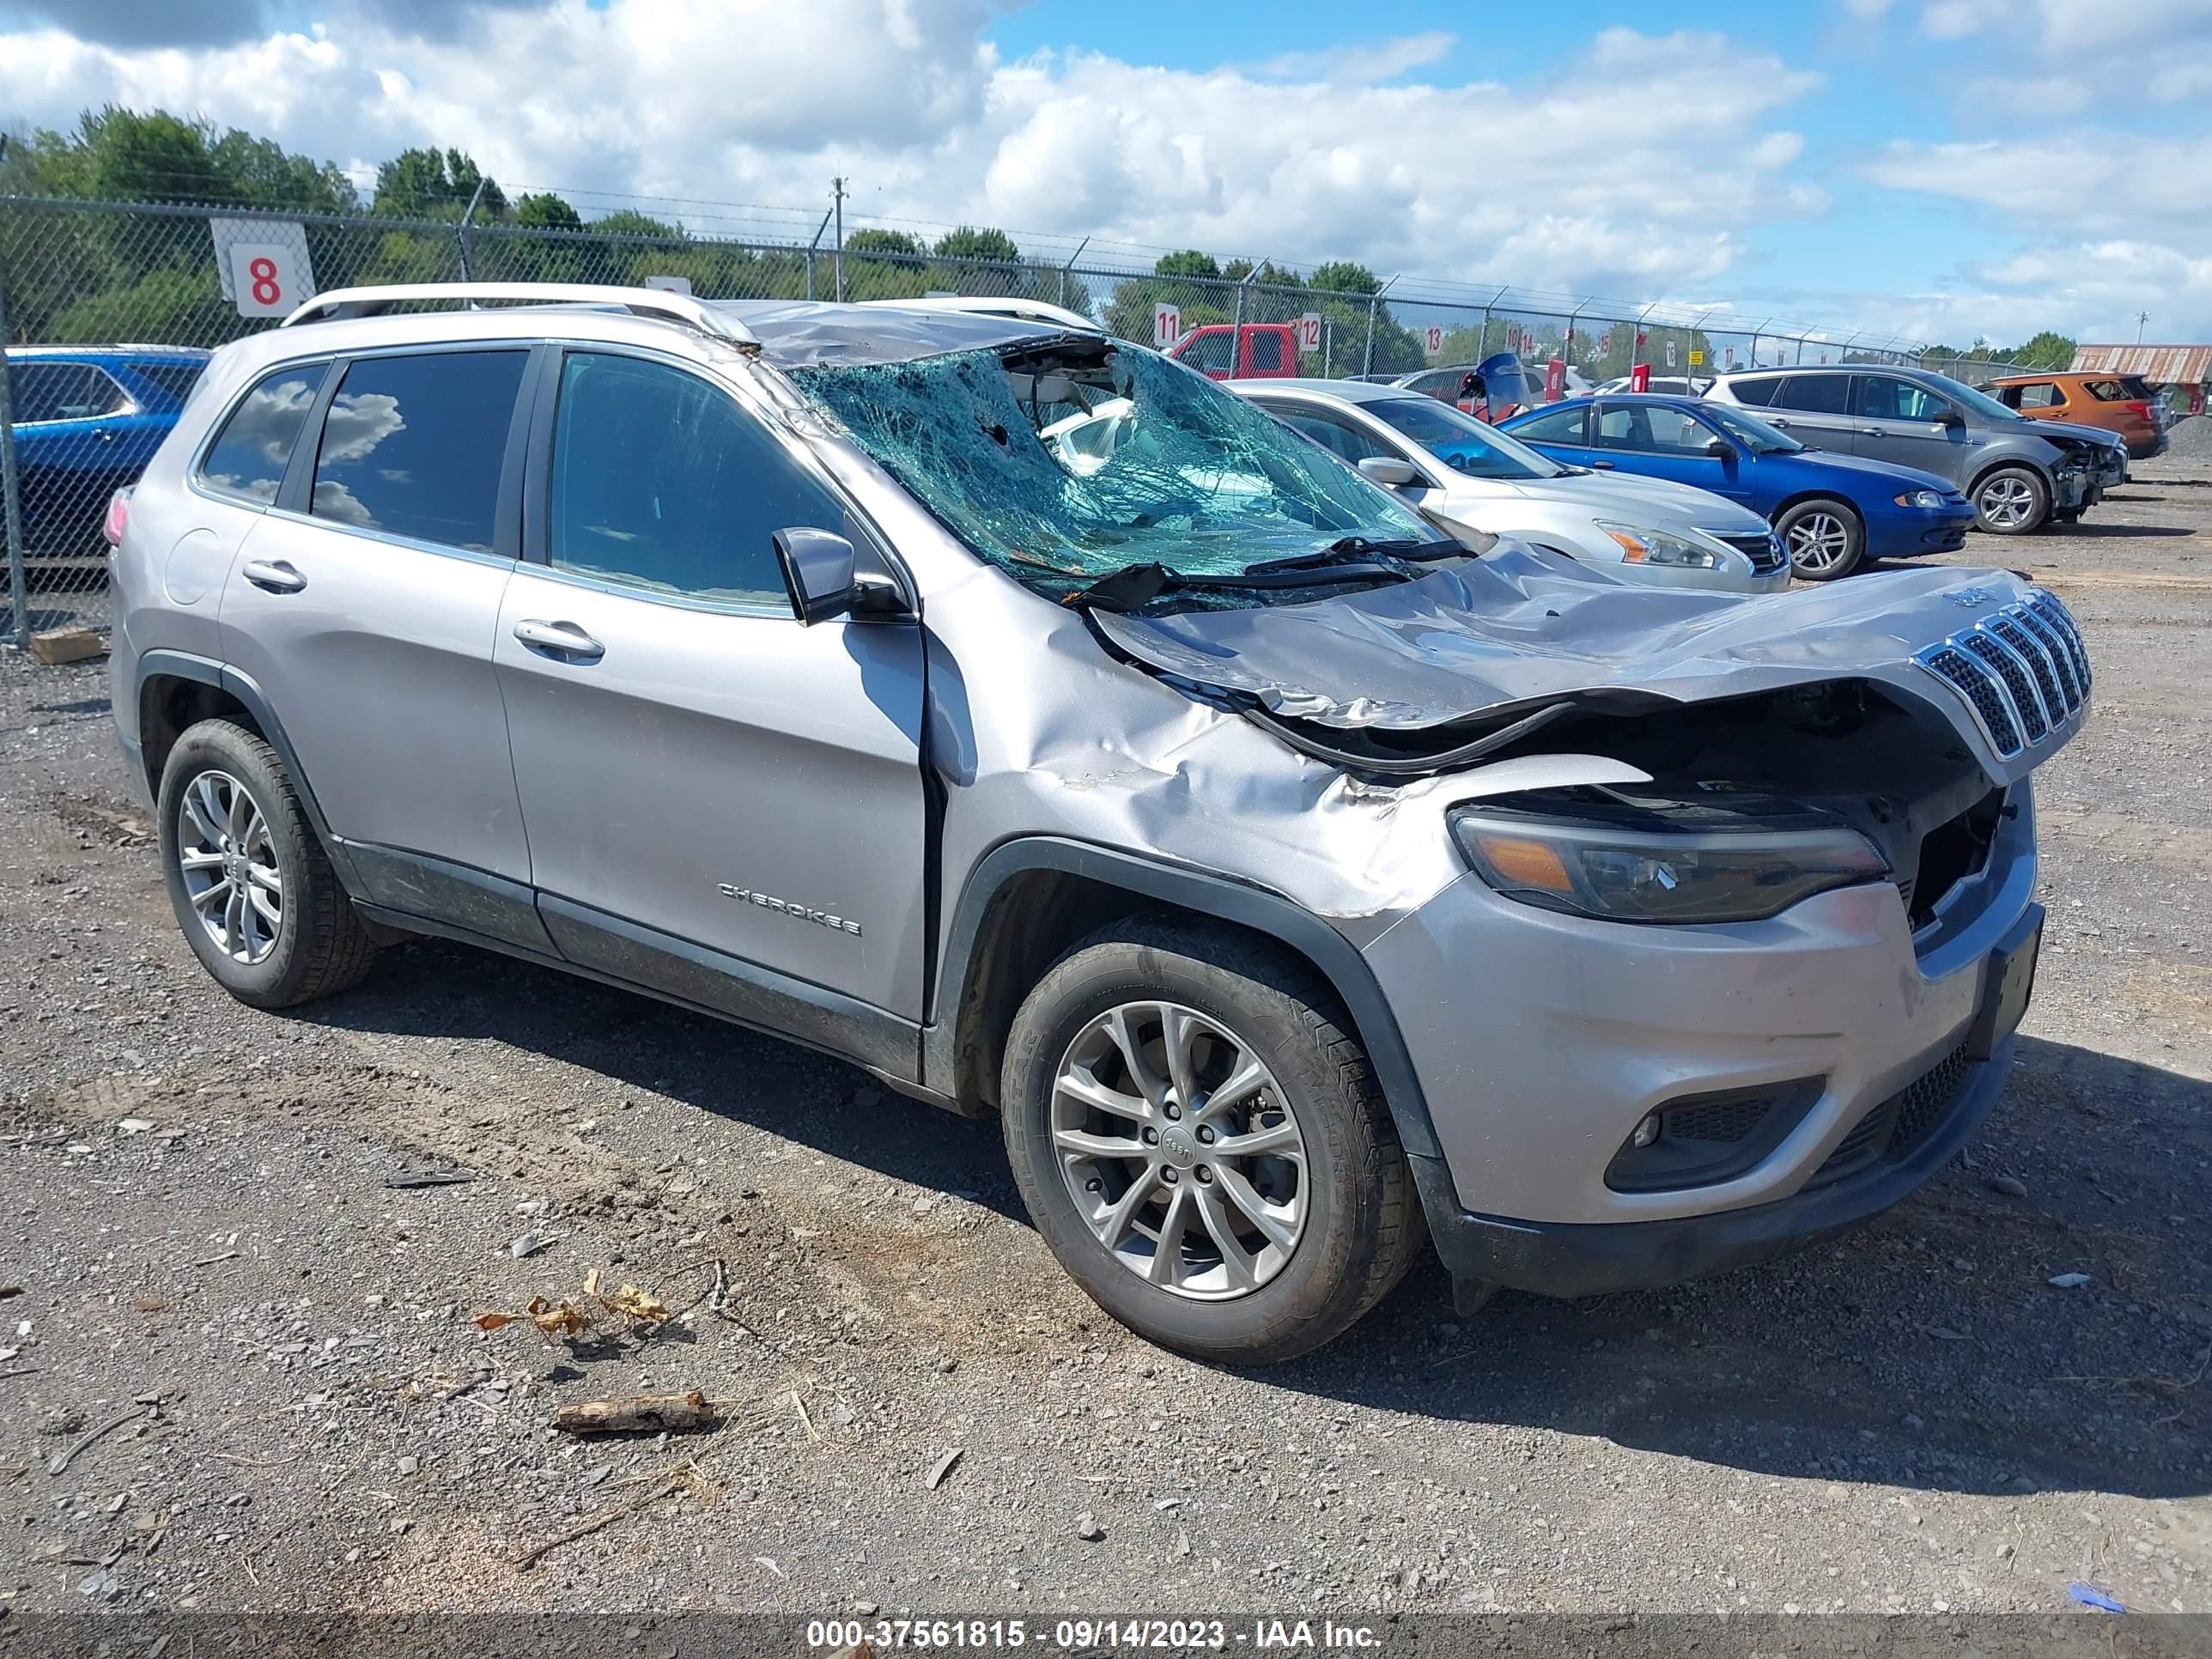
[1261,1635]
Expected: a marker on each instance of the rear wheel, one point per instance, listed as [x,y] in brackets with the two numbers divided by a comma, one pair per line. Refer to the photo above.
[1203,1145]
[1825,539]
[2012,501]
[251,884]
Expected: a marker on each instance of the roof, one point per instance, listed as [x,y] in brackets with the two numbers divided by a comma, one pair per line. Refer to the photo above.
[2166,365]
[1352,391]
[813,333]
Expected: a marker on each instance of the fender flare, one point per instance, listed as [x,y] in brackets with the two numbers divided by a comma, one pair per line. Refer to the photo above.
[1258,909]
[206,671]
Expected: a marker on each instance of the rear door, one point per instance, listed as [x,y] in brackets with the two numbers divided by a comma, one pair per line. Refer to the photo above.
[1897,421]
[363,602]
[1815,410]
[708,784]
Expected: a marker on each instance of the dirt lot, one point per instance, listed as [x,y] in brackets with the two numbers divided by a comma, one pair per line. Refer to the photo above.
[299,1410]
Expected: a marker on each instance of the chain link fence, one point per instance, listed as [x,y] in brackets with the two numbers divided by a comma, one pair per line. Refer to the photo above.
[109,308]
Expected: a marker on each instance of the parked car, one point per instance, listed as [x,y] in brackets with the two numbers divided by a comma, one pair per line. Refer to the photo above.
[1284,876]
[2019,474]
[1471,479]
[86,420]
[2119,404]
[1831,512]
[1224,351]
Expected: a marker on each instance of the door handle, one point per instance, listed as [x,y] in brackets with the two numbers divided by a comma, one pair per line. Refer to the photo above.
[563,639]
[1775,420]
[1871,432]
[1604,466]
[274,575]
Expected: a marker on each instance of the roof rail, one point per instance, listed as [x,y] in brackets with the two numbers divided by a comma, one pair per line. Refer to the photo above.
[1033,311]
[342,302]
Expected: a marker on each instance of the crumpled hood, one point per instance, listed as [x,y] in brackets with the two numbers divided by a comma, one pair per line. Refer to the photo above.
[1517,629]
[1685,506]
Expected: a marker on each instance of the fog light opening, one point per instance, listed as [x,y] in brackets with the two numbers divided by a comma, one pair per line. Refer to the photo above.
[1646,1131]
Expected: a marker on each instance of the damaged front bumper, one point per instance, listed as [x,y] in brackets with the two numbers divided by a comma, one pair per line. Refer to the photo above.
[1849,1057]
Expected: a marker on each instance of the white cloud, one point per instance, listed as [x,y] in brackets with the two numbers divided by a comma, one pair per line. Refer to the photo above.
[1563,182]
[1358,64]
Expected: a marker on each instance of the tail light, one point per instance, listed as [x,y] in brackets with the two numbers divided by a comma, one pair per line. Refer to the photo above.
[118,517]
[2142,410]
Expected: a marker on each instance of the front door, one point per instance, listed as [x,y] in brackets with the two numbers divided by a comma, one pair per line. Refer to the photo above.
[1658,440]
[705,782]
[363,604]
[1898,421]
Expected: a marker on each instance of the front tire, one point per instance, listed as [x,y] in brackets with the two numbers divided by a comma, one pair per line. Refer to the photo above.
[251,884]
[2012,501]
[1203,1145]
[1825,539]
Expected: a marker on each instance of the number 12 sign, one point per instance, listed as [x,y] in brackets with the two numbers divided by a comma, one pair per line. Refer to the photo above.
[1310,331]
[268,279]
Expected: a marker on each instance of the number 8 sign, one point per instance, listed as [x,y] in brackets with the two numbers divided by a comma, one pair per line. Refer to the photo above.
[266,279]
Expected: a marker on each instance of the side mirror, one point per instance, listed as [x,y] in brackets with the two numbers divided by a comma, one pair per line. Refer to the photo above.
[1949,418]
[1390,470]
[817,573]
[1720,450]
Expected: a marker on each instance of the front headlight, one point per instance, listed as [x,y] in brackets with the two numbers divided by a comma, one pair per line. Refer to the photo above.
[1633,866]
[1921,498]
[1657,547]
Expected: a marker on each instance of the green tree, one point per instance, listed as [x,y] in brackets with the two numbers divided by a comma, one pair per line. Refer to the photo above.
[907,248]
[1191,261]
[433,183]
[981,245]
[544,210]
[1342,276]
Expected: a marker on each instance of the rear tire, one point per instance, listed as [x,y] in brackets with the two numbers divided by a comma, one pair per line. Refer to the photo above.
[251,884]
[1321,1225]
[1824,537]
[2011,501]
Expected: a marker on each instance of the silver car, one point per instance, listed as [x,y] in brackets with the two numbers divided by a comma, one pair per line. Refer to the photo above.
[1293,884]
[1468,477]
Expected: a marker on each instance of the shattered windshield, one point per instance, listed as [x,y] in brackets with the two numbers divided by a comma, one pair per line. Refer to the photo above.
[1072,458]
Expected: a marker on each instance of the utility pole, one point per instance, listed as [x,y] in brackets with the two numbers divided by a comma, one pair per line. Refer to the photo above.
[837,256]
[2142,317]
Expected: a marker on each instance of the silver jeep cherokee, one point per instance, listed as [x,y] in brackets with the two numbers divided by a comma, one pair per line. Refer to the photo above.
[1284,877]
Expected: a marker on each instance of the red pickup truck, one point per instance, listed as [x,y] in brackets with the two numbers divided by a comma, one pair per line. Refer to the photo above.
[1240,351]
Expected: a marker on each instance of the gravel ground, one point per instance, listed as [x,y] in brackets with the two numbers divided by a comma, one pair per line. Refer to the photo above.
[276,1351]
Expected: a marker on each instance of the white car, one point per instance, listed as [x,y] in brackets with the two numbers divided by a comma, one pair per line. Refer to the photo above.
[1464,476]
[1673,386]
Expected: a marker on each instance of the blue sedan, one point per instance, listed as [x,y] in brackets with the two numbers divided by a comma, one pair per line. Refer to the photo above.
[1832,511]
[88,419]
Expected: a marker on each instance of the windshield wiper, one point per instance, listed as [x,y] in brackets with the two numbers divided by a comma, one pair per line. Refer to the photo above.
[1348,547]
[1136,586]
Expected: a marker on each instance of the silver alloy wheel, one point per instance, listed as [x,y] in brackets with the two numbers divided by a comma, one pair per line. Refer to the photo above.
[1818,542]
[1180,1150]
[229,866]
[2009,502]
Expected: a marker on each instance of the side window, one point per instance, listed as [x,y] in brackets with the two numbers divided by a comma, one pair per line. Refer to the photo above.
[2044,395]
[1816,394]
[2106,392]
[62,391]
[1759,394]
[174,378]
[1883,399]
[1558,426]
[1621,425]
[1340,438]
[661,481]
[413,446]
[249,455]
[1210,351]
[1267,350]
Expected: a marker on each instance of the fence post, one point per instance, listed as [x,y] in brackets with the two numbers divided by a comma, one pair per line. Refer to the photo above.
[461,230]
[11,502]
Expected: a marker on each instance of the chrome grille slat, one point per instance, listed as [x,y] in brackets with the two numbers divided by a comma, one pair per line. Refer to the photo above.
[2023,671]
[2012,676]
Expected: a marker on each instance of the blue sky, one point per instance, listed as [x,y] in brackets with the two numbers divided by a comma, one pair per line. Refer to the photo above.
[1925,168]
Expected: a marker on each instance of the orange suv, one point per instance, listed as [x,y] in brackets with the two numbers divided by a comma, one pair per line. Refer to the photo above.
[2120,403]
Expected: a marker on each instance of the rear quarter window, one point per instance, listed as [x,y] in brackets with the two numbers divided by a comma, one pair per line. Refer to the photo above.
[174,378]
[1759,394]
[250,453]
